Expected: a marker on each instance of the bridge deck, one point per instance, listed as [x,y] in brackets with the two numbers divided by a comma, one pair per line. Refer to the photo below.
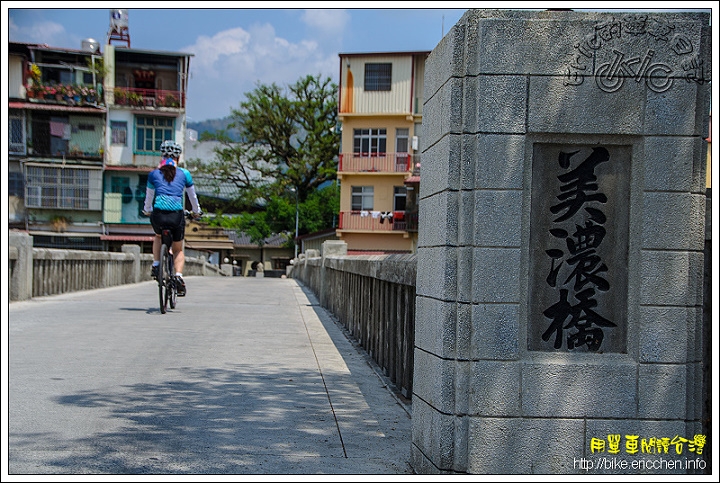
[245,376]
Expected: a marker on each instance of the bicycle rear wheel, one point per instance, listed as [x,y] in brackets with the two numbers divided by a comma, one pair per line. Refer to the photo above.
[171,293]
[163,278]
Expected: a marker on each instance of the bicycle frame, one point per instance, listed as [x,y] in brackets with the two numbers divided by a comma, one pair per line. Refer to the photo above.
[167,286]
[166,273]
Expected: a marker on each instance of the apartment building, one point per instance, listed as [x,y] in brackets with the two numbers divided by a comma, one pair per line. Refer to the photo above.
[146,98]
[380,112]
[85,129]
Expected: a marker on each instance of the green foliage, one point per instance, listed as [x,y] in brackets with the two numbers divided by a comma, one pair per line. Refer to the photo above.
[276,141]
[287,139]
[316,213]
[252,224]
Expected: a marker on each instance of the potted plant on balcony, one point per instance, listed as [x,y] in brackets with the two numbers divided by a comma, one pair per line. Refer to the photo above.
[88,94]
[33,91]
[35,74]
[120,96]
[170,101]
[59,223]
[50,93]
[135,99]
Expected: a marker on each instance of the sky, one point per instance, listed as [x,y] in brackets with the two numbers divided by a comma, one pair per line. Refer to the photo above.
[237,48]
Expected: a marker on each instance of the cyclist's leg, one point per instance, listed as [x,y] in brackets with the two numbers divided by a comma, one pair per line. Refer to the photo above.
[157,242]
[179,257]
[179,254]
[178,242]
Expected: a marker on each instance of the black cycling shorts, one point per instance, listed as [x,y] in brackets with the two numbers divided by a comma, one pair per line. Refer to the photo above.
[175,220]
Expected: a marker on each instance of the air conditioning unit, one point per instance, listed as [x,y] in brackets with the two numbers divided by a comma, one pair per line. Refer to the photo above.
[415,143]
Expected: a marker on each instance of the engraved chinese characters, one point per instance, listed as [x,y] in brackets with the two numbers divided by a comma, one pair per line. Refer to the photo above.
[579,248]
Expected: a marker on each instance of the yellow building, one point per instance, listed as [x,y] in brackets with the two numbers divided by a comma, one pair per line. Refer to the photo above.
[380,110]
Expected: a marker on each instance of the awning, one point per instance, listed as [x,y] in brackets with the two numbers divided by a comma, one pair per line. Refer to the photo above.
[208,244]
[55,107]
[134,238]
[63,233]
[143,169]
[412,179]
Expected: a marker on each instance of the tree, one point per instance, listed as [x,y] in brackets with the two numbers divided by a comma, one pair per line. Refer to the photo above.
[287,139]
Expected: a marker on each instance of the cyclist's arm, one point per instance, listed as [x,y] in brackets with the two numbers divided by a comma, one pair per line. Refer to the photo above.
[149,197]
[193,199]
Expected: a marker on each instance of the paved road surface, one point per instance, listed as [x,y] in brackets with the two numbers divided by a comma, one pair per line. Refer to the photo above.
[245,376]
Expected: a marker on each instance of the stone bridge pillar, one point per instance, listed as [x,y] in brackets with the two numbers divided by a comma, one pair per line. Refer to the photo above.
[21,281]
[560,259]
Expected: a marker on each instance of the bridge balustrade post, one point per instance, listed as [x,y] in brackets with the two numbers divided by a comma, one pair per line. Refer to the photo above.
[330,248]
[133,250]
[21,282]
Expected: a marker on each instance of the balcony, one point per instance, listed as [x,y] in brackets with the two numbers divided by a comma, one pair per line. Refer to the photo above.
[382,163]
[373,221]
[64,94]
[148,98]
[74,137]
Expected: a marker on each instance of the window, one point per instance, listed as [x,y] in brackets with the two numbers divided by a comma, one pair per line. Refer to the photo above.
[400,198]
[378,76]
[152,131]
[118,132]
[401,140]
[401,149]
[15,184]
[16,134]
[121,185]
[370,142]
[362,198]
[71,188]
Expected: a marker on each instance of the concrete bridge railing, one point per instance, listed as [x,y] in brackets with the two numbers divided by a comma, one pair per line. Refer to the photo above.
[37,272]
[373,297]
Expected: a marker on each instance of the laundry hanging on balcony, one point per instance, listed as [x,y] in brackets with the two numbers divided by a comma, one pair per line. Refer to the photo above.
[56,128]
[60,130]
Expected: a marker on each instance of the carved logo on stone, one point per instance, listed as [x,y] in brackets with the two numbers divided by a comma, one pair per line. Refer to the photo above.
[597,56]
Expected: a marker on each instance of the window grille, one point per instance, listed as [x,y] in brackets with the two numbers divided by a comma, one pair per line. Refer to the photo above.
[67,188]
[16,134]
[378,76]
[118,132]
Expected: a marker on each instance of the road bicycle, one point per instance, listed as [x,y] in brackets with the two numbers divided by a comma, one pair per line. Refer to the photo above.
[167,281]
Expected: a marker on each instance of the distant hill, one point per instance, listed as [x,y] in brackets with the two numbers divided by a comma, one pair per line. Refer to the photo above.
[212,126]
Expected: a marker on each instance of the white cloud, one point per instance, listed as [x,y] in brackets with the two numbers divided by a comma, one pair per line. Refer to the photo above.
[209,51]
[50,33]
[232,62]
[326,22]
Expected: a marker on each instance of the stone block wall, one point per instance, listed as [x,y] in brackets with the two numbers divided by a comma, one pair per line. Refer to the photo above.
[560,260]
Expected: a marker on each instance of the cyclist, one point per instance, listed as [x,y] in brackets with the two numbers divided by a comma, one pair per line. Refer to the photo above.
[164,204]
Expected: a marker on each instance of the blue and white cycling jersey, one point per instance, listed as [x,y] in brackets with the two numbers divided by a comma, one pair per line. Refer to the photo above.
[170,196]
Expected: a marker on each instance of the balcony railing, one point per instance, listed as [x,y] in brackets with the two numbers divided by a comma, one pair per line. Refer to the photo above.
[66,94]
[129,96]
[373,220]
[383,163]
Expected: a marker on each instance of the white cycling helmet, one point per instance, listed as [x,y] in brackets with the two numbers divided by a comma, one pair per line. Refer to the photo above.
[170,149]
